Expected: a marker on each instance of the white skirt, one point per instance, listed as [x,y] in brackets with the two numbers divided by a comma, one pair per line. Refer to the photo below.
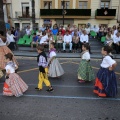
[55,69]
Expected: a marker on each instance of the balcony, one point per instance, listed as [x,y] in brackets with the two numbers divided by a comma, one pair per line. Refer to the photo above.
[22,15]
[105,13]
[70,13]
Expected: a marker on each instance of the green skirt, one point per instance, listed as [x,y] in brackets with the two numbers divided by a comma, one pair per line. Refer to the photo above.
[85,71]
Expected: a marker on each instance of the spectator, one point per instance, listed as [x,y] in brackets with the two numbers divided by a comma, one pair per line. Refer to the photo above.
[44,39]
[116,41]
[11,41]
[55,32]
[75,42]
[59,41]
[87,29]
[67,41]
[34,40]
[109,39]
[28,31]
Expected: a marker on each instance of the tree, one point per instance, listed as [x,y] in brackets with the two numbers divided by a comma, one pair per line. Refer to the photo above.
[2,23]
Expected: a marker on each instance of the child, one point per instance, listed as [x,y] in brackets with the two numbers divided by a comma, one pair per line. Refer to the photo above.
[85,71]
[55,69]
[13,85]
[43,70]
[105,84]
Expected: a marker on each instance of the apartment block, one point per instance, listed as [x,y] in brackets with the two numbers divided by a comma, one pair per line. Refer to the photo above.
[78,12]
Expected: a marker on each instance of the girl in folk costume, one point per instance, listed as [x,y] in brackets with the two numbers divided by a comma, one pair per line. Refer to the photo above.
[106,84]
[4,50]
[14,85]
[85,71]
[55,69]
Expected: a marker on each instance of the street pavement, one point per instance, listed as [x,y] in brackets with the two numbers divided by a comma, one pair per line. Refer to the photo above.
[69,101]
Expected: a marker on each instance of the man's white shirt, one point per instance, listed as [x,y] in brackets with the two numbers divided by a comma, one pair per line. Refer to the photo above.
[67,38]
[116,39]
[84,38]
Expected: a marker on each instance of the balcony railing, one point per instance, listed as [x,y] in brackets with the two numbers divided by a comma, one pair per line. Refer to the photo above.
[70,13]
[105,13]
[23,15]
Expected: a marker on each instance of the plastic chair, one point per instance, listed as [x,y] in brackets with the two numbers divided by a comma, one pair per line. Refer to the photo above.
[28,42]
[21,41]
[93,34]
[25,36]
[103,39]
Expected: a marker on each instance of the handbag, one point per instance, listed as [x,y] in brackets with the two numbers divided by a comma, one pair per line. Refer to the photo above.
[1,74]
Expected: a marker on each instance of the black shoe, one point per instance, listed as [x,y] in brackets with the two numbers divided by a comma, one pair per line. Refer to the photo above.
[70,51]
[50,90]
[37,88]
[64,51]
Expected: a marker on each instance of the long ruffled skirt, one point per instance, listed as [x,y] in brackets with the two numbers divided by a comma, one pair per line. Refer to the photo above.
[14,86]
[105,84]
[85,71]
[55,69]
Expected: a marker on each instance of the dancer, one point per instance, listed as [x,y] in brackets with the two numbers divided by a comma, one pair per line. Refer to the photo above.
[55,69]
[14,85]
[85,71]
[4,50]
[106,84]
[43,69]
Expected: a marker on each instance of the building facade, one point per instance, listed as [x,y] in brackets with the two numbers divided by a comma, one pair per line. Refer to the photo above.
[78,12]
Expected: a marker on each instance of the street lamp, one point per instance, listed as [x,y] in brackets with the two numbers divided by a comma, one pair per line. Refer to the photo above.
[33,13]
[2,23]
[63,11]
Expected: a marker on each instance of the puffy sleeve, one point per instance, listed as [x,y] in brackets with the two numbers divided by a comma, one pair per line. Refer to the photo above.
[52,54]
[7,68]
[109,60]
[86,56]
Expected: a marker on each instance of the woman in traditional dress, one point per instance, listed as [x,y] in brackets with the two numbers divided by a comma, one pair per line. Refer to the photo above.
[55,69]
[85,71]
[14,85]
[4,50]
[106,84]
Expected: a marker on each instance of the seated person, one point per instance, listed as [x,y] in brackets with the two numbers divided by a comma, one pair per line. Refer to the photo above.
[59,41]
[67,41]
[39,33]
[44,39]
[35,40]
[84,39]
[116,41]
[109,39]
[75,42]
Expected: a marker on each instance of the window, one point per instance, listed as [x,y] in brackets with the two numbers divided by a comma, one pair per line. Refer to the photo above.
[47,4]
[25,9]
[105,4]
[83,4]
[66,4]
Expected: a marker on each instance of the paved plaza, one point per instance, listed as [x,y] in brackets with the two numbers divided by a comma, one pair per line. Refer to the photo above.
[69,101]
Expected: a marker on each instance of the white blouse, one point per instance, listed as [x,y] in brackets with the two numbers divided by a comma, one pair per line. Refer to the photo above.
[52,54]
[8,67]
[86,56]
[2,43]
[107,62]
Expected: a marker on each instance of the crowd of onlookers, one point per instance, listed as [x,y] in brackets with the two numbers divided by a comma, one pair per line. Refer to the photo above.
[70,36]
